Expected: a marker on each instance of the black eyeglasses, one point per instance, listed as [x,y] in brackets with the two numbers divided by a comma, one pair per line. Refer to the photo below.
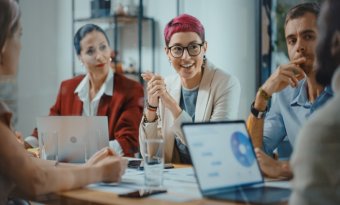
[193,49]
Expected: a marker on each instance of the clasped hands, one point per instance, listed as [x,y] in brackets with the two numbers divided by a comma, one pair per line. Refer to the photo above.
[156,90]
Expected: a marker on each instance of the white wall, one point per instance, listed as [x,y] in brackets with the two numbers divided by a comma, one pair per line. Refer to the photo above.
[46,57]
[230,33]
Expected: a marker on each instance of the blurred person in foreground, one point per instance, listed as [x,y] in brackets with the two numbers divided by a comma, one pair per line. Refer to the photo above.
[36,176]
[315,161]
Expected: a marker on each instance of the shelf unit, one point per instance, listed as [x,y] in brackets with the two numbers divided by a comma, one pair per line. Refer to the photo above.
[117,23]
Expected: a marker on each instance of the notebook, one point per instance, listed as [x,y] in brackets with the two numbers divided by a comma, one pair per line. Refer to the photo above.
[225,163]
[79,137]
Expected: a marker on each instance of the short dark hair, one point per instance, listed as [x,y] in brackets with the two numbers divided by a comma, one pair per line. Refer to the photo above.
[83,31]
[301,9]
[328,25]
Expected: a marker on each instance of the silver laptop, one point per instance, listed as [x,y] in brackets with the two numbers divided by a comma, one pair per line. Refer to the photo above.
[79,137]
[225,164]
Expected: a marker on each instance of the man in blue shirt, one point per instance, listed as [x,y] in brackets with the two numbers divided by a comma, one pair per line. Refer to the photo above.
[294,89]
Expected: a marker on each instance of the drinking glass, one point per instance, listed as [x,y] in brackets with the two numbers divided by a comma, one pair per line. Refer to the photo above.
[49,145]
[153,162]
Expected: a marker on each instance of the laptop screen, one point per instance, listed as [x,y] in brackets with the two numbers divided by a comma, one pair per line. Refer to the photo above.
[222,154]
[79,137]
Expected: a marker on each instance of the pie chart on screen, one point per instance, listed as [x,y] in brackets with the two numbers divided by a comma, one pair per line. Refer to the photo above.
[242,149]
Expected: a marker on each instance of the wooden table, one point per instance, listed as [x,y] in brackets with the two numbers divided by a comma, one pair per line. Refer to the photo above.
[92,197]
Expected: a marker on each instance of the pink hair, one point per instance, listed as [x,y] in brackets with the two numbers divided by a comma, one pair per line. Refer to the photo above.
[183,23]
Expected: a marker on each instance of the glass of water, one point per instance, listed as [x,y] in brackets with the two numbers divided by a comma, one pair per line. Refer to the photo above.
[48,144]
[153,162]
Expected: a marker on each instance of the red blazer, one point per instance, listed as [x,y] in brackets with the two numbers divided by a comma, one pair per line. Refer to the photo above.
[124,109]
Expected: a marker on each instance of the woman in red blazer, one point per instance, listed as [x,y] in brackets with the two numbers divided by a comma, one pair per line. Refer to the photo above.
[101,92]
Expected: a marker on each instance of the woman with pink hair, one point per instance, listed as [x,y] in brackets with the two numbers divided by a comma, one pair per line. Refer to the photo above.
[199,92]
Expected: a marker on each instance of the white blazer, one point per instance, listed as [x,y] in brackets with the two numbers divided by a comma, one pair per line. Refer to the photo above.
[218,99]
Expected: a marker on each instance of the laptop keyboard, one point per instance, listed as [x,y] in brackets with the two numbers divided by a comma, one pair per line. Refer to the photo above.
[258,195]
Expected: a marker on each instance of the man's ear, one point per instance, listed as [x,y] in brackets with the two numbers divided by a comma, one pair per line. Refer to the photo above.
[335,44]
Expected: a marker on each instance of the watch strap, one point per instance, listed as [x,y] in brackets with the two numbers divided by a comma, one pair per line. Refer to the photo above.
[258,113]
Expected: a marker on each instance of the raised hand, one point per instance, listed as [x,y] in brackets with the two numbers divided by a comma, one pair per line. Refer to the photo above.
[153,87]
[156,89]
[286,74]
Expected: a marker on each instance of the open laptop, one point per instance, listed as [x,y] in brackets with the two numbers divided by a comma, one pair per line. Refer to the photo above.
[79,137]
[225,164]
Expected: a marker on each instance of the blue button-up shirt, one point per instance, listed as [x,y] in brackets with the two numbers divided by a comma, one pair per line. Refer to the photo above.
[289,110]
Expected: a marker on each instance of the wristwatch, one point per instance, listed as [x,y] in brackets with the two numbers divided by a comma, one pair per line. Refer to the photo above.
[257,113]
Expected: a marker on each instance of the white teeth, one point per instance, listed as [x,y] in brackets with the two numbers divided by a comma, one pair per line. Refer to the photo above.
[187,66]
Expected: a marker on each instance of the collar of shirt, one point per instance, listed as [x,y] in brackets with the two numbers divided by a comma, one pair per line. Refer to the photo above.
[84,87]
[90,108]
[301,98]
[328,90]
[300,95]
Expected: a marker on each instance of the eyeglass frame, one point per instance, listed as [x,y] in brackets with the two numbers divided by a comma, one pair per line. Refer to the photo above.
[186,48]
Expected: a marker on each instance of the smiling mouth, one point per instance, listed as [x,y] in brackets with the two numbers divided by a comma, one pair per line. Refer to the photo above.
[187,66]
[100,65]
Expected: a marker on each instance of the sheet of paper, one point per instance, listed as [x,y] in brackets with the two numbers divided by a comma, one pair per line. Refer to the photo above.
[117,189]
[180,183]
[180,175]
